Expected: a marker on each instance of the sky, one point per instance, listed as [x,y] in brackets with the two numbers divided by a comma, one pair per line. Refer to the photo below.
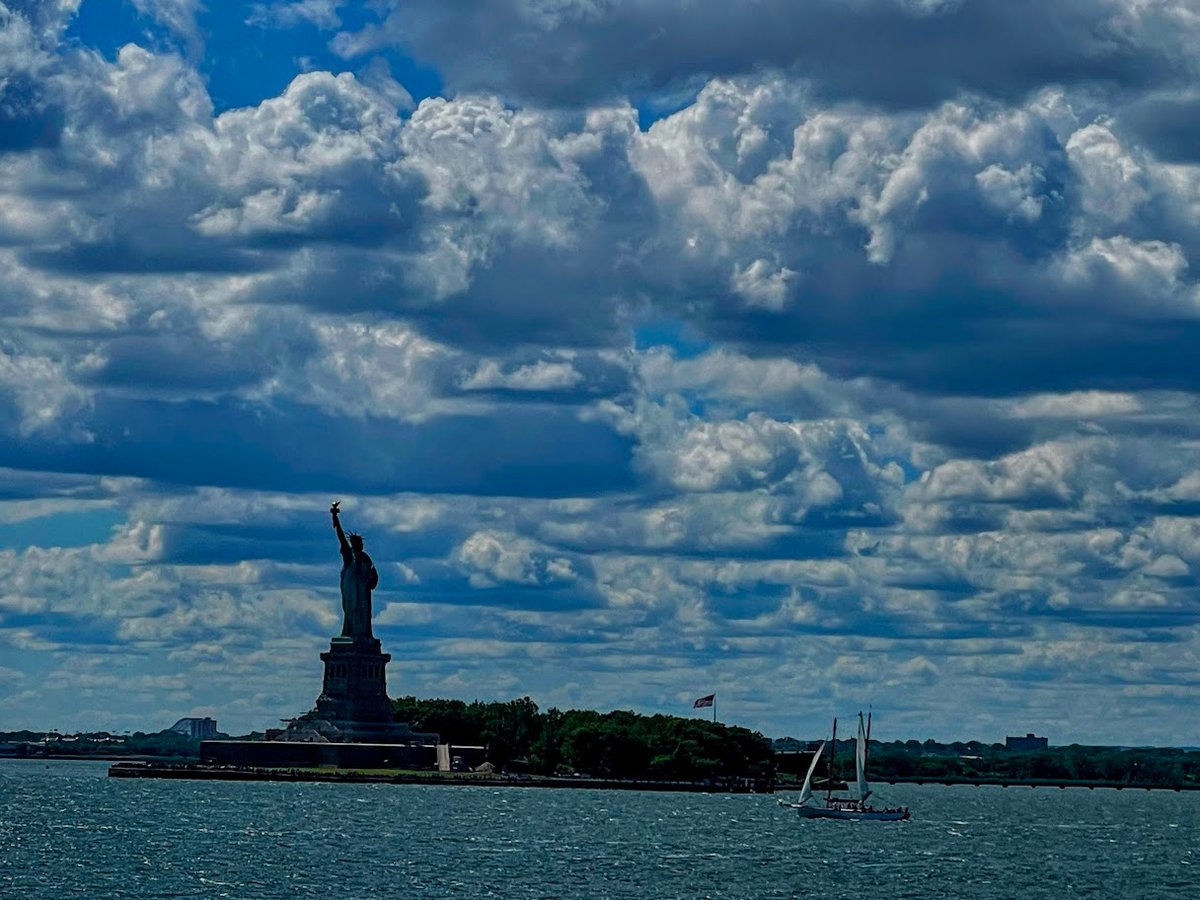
[820,355]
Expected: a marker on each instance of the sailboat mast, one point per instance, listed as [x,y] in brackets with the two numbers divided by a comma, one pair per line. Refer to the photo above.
[867,748]
[832,754]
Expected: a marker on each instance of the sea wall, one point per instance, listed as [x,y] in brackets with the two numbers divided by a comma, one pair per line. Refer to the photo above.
[287,754]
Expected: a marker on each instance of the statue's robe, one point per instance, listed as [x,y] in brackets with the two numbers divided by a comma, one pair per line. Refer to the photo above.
[359,578]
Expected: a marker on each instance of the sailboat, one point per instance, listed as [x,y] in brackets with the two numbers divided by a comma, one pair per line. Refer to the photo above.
[854,806]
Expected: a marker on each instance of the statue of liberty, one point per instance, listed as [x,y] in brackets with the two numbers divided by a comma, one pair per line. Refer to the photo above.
[359,578]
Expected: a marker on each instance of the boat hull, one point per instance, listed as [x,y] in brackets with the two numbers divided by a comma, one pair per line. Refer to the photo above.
[850,813]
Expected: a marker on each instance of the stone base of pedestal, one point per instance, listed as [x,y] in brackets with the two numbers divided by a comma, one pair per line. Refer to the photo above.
[354,693]
[353,707]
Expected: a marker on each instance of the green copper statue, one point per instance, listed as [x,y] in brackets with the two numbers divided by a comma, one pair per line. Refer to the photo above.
[359,578]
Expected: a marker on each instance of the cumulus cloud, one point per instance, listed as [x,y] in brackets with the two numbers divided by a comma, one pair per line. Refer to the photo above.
[496,558]
[37,395]
[671,341]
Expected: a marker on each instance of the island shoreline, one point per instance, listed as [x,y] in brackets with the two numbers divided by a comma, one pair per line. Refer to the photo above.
[200,772]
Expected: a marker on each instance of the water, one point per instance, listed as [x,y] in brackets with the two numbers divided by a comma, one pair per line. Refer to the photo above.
[67,830]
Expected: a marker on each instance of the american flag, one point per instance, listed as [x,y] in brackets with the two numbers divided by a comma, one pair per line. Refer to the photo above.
[705,701]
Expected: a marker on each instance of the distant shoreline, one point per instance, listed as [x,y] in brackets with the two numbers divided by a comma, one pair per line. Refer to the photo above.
[94,757]
[450,779]
[1039,782]
[195,771]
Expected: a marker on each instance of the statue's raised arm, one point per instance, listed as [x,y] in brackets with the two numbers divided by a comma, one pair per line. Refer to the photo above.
[343,544]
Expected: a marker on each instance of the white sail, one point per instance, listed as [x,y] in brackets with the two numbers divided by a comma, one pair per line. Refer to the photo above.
[845,807]
[806,791]
[860,761]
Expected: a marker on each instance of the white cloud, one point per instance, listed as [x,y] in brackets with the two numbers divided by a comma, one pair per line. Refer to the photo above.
[41,392]
[384,370]
[1112,180]
[743,382]
[290,13]
[492,558]
[1077,405]
[1039,474]
[543,375]
[1152,268]
[763,286]
[178,16]
[1014,193]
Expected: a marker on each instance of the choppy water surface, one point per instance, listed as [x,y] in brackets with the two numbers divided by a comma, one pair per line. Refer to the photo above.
[66,829]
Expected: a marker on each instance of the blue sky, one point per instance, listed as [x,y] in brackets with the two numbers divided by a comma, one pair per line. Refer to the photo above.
[820,355]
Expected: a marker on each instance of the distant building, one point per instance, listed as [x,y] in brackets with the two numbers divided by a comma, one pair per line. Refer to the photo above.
[203,729]
[1027,743]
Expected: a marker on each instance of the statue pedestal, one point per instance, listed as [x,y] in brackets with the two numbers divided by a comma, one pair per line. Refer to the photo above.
[354,693]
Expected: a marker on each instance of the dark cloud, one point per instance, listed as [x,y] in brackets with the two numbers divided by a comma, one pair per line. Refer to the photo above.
[969,351]
[26,120]
[178,361]
[889,52]
[160,253]
[462,594]
[236,445]
[1169,125]
[226,544]
[27,485]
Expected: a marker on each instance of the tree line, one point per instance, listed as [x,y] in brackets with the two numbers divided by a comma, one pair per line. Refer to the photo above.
[620,744]
[161,744]
[973,760]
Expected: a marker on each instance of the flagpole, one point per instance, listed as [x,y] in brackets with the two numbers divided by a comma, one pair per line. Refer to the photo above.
[714,709]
